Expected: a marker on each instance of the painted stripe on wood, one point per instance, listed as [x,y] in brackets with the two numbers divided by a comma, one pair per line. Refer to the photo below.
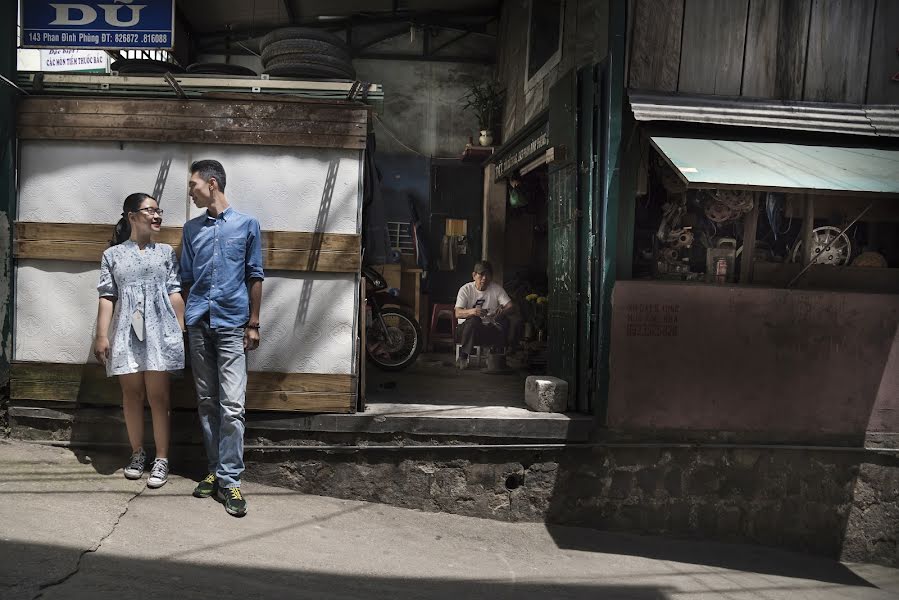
[351,113]
[282,250]
[194,136]
[88,384]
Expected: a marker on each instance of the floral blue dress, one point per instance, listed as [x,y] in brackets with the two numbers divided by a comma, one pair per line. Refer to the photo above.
[140,282]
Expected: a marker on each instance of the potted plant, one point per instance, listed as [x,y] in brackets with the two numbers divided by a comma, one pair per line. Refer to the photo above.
[485,101]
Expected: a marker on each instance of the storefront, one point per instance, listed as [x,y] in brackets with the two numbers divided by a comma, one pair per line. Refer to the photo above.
[762,292]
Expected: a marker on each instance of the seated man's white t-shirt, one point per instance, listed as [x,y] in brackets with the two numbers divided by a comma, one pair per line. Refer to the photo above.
[490,299]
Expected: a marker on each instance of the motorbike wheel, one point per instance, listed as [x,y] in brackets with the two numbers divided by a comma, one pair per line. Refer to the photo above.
[403,344]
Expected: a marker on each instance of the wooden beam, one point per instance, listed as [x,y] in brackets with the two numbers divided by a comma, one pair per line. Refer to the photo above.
[282,250]
[750,229]
[303,124]
[808,226]
[88,384]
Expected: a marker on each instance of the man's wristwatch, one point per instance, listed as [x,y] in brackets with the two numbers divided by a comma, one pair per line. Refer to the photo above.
[256,326]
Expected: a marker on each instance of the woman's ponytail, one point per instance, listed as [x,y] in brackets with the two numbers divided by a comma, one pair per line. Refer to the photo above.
[123,227]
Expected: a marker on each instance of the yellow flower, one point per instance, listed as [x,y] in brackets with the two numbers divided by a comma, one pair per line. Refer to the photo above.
[542,300]
[530,297]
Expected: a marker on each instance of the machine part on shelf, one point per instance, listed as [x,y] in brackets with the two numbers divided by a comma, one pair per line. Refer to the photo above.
[722,206]
[726,251]
[870,260]
[672,212]
[681,238]
[830,246]
[816,255]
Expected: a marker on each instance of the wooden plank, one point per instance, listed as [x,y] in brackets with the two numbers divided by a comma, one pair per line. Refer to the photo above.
[808,229]
[884,63]
[197,136]
[88,384]
[194,108]
[776,41]
[712,49]
[839,46]
[655,51]
[282,250]
[92,120]
[279,240]
[750,230]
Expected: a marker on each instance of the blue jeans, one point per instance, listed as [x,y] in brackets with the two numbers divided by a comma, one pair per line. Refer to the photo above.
[219,365]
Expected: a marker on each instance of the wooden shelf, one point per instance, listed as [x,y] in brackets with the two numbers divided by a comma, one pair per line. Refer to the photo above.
[477,153]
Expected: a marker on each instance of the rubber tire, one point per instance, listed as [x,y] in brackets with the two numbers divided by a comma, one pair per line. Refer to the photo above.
[320,60]
[408,315]
[144,67]
[303,33]
[221,69]
[312,70]
[307,47]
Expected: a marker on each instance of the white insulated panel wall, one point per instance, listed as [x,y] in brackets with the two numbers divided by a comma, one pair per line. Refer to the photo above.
[308,319]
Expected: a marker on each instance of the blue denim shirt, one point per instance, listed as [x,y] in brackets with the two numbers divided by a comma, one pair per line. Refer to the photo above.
[219,256]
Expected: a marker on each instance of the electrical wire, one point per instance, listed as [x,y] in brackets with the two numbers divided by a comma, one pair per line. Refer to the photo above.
[401,143]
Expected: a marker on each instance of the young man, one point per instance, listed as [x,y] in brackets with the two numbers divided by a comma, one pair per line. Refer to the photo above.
[221,273]
[481,308]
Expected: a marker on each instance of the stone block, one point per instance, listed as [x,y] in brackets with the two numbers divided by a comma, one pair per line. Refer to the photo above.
[546,394]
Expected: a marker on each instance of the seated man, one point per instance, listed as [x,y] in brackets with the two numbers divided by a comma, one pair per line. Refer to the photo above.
[481,307]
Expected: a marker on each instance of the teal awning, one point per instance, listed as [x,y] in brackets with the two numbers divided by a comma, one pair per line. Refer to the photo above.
[781,167]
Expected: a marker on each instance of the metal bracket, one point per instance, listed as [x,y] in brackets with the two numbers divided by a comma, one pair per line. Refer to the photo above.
[169,79]
[8,82]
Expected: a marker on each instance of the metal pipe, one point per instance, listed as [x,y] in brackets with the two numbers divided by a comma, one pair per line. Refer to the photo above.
[535,446]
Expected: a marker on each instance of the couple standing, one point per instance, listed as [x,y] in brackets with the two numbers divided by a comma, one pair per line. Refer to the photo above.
[148,296]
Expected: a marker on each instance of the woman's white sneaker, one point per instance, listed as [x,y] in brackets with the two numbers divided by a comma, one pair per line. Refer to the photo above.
[159,473]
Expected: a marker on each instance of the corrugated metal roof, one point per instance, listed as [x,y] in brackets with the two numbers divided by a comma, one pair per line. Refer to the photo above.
[852,119]
[705,163]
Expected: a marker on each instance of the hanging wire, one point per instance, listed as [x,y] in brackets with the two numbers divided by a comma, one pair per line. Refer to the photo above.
[401,143]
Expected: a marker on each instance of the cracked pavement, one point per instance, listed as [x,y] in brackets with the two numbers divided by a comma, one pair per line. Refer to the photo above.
[78,529]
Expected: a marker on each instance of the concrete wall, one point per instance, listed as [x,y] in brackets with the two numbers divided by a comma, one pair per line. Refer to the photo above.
[767,364]
[585,41]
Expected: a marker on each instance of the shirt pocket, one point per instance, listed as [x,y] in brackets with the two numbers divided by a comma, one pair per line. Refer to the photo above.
[235,249]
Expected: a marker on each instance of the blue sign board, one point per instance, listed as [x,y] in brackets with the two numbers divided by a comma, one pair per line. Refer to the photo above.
[98,24]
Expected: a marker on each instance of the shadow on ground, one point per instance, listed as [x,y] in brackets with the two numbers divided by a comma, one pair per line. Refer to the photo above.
[101,576]
[736,557]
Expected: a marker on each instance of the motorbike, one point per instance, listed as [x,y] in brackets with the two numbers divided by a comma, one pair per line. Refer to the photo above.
[393,338]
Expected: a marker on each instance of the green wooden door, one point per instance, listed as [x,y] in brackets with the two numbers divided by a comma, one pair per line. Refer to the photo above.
[578,126]
[563,237]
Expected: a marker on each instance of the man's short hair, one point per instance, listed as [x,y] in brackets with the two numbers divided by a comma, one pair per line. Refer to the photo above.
[209,169]
[483,266]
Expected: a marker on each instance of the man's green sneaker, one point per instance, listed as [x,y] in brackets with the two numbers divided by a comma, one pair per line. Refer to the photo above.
[233,500]
[206,487]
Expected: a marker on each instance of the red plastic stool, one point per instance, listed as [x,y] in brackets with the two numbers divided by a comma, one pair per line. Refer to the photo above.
[439,311]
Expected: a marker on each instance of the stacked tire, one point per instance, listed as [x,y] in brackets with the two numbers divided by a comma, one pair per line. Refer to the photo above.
[306,53]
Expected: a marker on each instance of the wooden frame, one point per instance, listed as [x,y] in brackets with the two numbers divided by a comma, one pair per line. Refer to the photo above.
[88,384]
[232,121]
[281,250]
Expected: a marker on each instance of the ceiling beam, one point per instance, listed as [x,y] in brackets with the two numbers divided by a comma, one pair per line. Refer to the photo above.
[472,21]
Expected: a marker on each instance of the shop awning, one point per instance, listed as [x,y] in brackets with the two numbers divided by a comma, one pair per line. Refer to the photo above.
[709,163]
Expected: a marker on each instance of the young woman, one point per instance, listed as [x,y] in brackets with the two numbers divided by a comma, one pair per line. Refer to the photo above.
[139,328]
